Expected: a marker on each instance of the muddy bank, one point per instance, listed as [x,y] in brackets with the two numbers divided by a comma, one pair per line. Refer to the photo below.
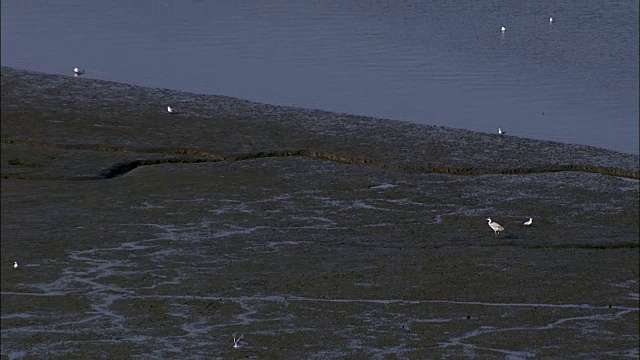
[316,235]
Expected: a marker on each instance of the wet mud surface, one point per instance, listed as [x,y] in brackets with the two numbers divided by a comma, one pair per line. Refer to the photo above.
[316,235]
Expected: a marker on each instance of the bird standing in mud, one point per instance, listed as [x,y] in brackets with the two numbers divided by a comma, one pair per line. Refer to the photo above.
[528,222]
[236,340]
[495,226]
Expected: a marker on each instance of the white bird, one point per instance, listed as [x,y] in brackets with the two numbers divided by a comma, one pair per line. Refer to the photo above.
[15,265]
[77,71]
[503,29]
[495,226]
[236,340]
[171,110]
[551,19]
[528,222]
[501,132]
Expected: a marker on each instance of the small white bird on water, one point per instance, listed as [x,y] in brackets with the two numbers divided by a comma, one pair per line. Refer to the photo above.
[236,340]
[77,71]
[528,222]
[551,19]
[503,29]
[495,226]
[501,132]
[15,265]
[171,110]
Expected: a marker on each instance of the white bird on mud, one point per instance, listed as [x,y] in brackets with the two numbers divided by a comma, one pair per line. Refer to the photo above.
[15,265]
[528,222]
[171,110]
[501,132]
[236,340]
[495,226]
[77,71]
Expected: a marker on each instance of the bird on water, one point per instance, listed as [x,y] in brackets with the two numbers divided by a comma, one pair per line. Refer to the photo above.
[528,222]
[77,71]
[501,132]
[495,226]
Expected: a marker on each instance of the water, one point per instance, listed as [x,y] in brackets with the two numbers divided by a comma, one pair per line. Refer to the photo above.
[574,80]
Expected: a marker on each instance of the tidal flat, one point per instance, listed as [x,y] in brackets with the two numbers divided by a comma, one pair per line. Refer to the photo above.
[142,234]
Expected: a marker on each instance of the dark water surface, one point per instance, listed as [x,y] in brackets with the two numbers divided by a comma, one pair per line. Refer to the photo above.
[574,80]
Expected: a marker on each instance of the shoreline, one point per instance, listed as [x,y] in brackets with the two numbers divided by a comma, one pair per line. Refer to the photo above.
[355,114]
[263,128]
[267,107]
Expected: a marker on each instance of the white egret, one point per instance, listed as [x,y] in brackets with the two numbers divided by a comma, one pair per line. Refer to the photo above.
[171,110]
[501,132]
[503,29]
[495,226]
[551,19]
[15,265]
[528,222]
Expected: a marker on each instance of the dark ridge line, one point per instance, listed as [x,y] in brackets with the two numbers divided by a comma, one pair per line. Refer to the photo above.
[208,156]
[125,167]
[124,149]
[121,169]
[21,176]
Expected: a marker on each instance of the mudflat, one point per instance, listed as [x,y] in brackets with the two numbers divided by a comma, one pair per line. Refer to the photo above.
[144,234]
